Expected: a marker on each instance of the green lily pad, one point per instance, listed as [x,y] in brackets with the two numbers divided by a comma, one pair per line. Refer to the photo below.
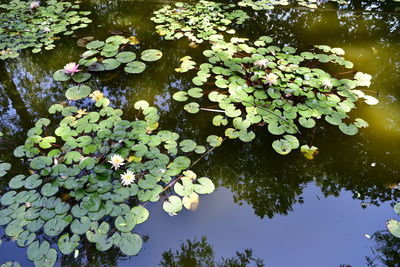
[282,146]
[95,44]
[80,226]
[125,57]
[151,55]
[78,92]
[61,76]
[40,162]
[135,67]
[54,227]
[81,77]
[214,140]
[4,168]
[393,227]
[192,107]
[48,260]
[349,129]
[130,244]
[25,238]
[126,223]
[17,182]
[141,214]
[37,251]
[68,245]
[111,64]
[307,122]
[180,96]
[173,204]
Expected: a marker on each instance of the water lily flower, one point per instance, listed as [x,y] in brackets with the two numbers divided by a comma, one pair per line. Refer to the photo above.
[262,63]
[127,178]
[34,5]
[46,29]
[327,83]
[71,68]
[116,161]
[272,78]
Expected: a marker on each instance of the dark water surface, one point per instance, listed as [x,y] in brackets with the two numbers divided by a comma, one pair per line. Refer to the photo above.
[290,211]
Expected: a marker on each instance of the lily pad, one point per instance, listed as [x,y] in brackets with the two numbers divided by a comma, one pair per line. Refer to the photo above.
[68,245]
[173,204]
[135,67]
[78,92]
[151,55]
[125,57]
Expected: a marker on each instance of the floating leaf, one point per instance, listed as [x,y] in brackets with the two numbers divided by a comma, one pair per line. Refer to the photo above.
[135,67]
[77,92]
[61,76]
[309,152]
[125,57]
[393,227]
[151,55]
[192,107]
[68,245]
[173,204]
[130,244]
[204,186]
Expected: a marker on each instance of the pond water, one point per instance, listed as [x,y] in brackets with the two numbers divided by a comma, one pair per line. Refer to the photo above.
[289,210]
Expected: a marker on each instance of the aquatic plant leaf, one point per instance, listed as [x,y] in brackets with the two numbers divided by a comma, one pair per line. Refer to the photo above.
[191,202]
[95,44]
[173,204]
[81,77]
[393,227]
[25,238]
[370,100]
[17,182]
[214,140]
[204,186]
[309,152]
[61,76]
[180,96]
[37,250]
[282,146]
[126,223]
[151,55]
[111,64]
[130,244]
[135,67]
[349,129]
[11,263]
[48,260]
[125,57]
[192,107]
[187,145]
[4,168]
[141,214]
[80,226]
[68,245]
[77,92]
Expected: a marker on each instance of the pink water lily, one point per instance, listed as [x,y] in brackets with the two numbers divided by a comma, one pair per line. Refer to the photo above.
[34,5]
[71,68]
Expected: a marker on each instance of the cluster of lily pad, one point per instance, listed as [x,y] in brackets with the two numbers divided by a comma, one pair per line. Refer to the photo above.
[263,84]
[30,24]
[106,55]
[90,178]
[197,22]
[269,4]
